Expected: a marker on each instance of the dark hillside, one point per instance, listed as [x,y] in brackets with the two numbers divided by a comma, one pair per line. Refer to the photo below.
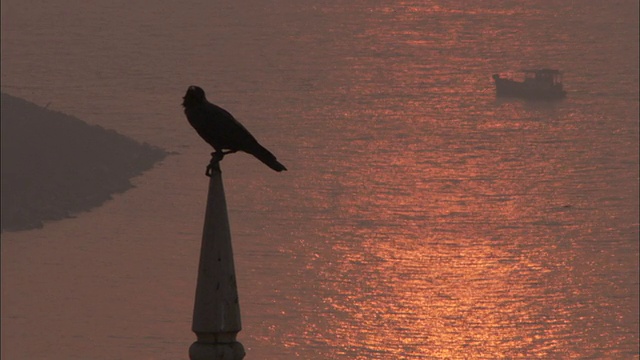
[55,165]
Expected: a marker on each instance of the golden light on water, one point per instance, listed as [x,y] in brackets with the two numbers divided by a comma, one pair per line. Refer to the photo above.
[461,219]
[484,287]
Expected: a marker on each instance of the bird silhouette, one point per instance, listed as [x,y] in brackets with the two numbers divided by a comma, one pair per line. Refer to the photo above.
[222,131]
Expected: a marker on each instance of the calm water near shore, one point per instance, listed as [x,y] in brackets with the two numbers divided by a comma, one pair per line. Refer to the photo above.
[421,218]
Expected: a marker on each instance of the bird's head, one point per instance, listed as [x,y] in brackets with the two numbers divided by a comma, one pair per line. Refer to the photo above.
[194,96]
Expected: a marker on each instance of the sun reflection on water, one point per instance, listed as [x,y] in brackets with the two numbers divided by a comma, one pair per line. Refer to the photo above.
[462,222]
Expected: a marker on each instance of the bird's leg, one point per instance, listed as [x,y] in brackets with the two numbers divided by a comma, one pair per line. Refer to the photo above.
[216,157]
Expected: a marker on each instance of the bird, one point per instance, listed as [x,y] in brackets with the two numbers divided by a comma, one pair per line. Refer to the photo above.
[222,131]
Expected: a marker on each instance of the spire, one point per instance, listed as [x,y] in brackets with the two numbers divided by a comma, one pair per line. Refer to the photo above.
[216,312]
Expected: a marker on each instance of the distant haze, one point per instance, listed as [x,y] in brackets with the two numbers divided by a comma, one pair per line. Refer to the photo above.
[420,216]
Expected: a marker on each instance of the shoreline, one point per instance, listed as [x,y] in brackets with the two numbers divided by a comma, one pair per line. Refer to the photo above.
[55,165]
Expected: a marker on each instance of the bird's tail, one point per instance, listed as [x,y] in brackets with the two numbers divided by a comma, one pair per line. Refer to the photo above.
[267,158]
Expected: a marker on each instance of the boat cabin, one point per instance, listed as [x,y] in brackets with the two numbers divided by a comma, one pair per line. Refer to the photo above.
[549,76]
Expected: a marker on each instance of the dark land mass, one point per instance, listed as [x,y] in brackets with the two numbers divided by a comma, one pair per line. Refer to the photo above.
[55,165]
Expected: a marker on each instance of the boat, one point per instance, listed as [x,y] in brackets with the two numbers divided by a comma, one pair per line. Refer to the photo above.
[538,84]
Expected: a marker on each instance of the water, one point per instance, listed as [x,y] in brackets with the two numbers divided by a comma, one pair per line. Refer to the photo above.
[420,218]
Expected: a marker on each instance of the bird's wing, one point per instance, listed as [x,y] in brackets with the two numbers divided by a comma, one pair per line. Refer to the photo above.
[235,134]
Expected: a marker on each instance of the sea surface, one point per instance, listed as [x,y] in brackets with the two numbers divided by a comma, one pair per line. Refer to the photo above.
[421,217]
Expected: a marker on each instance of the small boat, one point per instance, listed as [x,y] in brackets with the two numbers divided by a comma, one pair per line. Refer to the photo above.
[538,84]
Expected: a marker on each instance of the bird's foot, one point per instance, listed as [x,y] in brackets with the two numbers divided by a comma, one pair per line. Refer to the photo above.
[216,157]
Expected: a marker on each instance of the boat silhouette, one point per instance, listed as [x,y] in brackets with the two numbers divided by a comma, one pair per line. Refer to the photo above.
[538,84]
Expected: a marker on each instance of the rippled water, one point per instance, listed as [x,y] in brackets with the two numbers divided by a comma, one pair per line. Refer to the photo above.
[421,217]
